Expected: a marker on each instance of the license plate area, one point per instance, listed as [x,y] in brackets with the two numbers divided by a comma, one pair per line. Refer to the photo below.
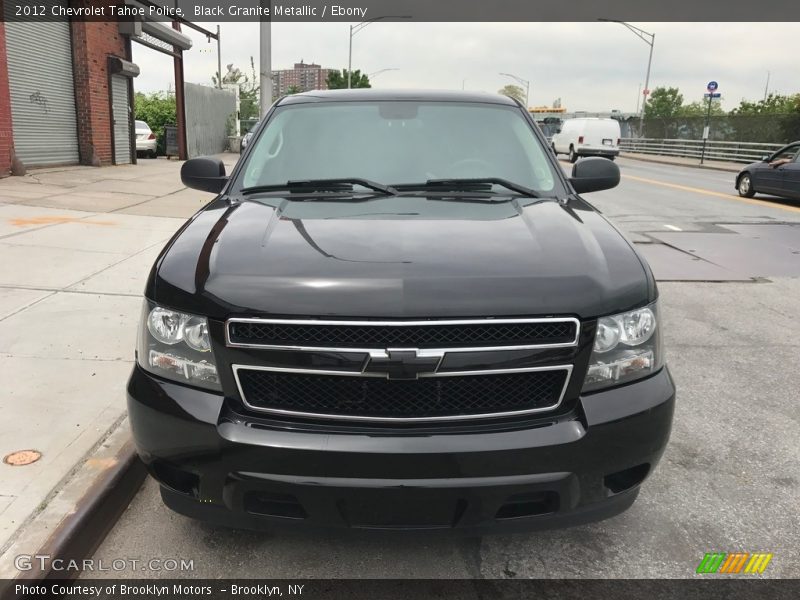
[401,508]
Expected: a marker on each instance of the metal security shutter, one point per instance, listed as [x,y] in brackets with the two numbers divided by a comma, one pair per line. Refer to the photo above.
[122,121]
[42,90]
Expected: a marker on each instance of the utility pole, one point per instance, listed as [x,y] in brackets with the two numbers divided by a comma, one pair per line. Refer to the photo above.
[219,59]
[265,59]
[766,87]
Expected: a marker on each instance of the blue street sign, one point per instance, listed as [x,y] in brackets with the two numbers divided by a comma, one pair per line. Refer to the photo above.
[712,86]
[717,95]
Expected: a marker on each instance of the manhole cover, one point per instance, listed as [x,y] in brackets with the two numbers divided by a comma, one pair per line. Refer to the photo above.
[22,458]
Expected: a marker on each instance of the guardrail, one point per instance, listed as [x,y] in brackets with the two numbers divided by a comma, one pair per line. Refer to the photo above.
[740,152]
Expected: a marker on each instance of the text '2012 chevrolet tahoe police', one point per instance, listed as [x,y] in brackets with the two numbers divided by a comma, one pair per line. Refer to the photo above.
[398,313]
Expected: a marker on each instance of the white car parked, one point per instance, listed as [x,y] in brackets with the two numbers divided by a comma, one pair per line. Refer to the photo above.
[145,140]
[587,137]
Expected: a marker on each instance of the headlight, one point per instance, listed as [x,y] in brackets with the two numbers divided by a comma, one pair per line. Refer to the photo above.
[626,347]
[177,346]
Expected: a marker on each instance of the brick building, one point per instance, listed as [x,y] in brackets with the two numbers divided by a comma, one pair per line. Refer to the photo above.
[304,77]
[66,85]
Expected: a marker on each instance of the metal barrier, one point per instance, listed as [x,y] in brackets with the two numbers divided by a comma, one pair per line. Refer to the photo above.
[740,152]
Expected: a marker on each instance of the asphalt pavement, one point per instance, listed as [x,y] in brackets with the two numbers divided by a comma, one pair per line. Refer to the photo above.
[729,480]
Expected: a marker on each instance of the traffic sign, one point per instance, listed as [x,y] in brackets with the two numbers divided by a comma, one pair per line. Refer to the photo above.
[645,91]
[717,95]
[712,86]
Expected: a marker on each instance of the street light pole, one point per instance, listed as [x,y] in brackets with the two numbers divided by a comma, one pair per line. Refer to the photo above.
[524,82]
[350,58]
[354,29]
[642,35]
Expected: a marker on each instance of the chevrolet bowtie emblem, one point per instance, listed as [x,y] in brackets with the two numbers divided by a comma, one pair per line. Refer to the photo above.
[401,364]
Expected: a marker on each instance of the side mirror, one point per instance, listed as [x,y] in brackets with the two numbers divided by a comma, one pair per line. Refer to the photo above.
[204,173]
[594,174]
[765,158]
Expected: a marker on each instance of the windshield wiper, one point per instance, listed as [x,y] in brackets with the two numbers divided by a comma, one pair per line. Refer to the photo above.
[469,185]
[344,184]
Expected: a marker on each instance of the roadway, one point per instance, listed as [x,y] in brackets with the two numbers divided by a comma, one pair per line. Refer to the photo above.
[729,480]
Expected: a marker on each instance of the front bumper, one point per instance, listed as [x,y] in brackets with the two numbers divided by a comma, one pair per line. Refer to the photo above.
[216,465]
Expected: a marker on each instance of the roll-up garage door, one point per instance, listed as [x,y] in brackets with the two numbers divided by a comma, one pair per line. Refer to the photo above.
[122,120]
[42,89]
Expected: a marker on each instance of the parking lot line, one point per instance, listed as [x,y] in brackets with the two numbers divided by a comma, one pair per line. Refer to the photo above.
[695,190]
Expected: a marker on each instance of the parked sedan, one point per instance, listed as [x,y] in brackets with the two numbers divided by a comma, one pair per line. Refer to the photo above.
[145,140]
[777,174]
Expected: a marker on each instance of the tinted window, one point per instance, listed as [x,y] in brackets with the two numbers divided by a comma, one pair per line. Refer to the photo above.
[398,142]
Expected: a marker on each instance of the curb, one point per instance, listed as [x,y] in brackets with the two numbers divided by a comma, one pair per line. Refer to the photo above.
[109,478]
[663,161]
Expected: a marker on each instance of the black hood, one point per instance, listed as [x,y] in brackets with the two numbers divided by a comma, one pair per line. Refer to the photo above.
[400,257]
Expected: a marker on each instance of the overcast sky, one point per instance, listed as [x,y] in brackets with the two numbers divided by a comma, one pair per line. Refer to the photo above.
[590,66]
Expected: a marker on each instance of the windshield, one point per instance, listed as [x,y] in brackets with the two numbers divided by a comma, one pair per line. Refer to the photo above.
[398,143]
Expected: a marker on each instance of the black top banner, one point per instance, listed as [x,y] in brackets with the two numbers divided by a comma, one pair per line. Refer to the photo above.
[406,10]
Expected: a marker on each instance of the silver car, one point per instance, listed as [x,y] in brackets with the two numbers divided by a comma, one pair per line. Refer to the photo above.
[145,140]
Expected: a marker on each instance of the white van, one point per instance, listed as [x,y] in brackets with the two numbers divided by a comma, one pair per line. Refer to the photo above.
[587,137]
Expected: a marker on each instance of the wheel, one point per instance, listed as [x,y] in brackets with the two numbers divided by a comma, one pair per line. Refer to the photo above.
[152,154]
[745,186]
[573,158]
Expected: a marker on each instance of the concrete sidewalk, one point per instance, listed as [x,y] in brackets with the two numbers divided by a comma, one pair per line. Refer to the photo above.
[76,245]
[714,165]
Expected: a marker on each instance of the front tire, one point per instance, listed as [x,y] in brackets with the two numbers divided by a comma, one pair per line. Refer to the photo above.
[745,186]
[573,157]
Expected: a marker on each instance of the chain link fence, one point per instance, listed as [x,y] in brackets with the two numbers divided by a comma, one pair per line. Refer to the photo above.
[767,129]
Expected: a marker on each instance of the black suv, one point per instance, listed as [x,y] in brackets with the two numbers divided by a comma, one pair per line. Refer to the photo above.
[399,314]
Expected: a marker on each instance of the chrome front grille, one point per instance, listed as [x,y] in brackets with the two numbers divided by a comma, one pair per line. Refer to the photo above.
[445,334]
[399,370]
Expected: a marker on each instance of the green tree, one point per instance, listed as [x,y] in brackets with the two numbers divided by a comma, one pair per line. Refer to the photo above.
[773,104]
[156,109]
[292,89]
[513,91]
[663,103]
[249,90]
[337,80]
[700,109]
[775,118]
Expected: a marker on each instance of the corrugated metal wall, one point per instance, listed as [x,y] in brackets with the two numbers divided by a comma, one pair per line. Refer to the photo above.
[122,119]
[42,90]
[207,113]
